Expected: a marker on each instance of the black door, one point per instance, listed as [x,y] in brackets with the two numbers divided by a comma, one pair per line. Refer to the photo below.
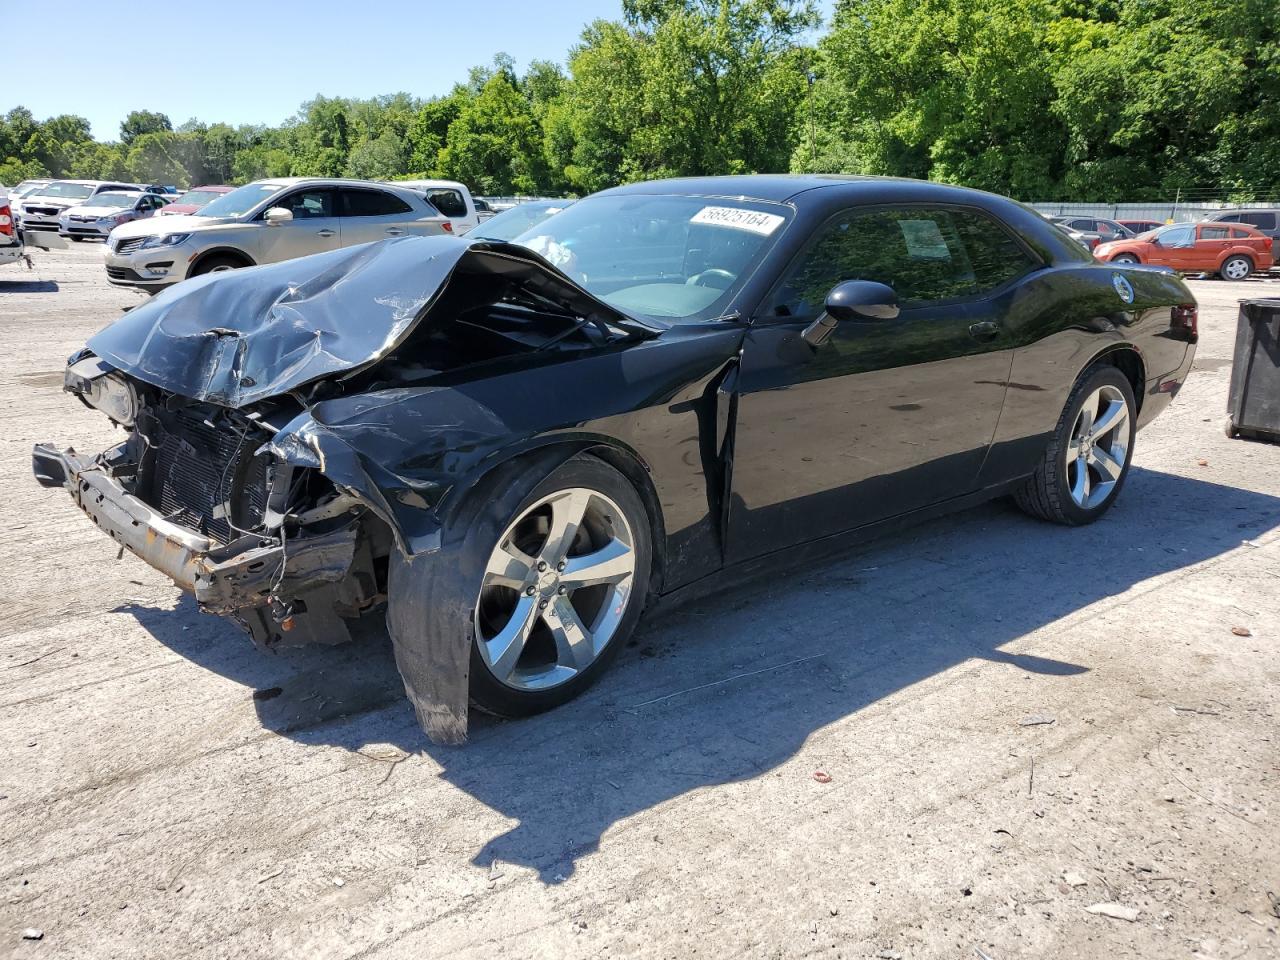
[889,415]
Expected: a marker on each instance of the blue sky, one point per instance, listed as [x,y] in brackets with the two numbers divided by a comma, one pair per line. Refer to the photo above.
[255,62]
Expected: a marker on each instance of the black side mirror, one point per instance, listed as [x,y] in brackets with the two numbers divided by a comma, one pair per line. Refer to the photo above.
[852,300]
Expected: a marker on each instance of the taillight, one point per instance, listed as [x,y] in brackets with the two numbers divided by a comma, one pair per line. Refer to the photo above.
[1184,322]
[448,227]
[6,220]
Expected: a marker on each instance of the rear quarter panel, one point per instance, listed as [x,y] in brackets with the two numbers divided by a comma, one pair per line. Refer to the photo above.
[1063,320]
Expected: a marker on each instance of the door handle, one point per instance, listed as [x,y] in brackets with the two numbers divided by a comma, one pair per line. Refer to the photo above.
[984,330]
[325,233]
[394,232]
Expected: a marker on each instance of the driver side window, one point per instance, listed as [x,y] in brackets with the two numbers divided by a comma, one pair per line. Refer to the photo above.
[925,255]
[308,204]
[1178,237]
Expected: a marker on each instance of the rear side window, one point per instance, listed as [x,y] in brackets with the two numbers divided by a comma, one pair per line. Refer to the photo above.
[1217,233]
[925,255]
[372,203]
[1264,221]
[449,202]
[1239,234]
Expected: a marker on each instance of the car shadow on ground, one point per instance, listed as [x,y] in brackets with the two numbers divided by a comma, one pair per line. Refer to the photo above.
[28,286]
[727,688]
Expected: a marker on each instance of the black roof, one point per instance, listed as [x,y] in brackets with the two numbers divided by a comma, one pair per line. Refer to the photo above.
[783,187]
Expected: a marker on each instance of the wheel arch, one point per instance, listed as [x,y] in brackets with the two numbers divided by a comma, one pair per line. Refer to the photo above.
[1128,358]
[544,456]
[234,252]
[1242,254]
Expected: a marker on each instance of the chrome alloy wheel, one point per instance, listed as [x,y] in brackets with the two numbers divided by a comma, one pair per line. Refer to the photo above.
[1099,447]
[555,589]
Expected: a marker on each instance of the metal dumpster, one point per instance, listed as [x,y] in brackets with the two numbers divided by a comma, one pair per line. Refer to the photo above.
[1253,405]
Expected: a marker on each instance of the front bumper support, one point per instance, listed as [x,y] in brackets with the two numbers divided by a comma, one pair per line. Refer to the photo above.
[248,572]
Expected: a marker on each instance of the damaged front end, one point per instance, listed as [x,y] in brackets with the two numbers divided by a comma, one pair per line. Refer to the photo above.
[294,429]
[194,493]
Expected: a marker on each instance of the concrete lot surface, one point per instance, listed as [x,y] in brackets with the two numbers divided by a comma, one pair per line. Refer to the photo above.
[850,760]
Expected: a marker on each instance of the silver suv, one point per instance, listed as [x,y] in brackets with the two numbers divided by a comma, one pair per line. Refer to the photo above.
[265,222]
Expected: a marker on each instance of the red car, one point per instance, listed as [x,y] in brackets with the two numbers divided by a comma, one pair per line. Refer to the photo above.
[1141,226]
[194,199]
[1231,250]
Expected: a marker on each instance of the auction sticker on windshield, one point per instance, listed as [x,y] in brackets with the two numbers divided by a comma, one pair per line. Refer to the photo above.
[737,219]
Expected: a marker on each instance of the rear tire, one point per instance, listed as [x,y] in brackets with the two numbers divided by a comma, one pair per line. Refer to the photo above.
[1086,463]
[1237,267]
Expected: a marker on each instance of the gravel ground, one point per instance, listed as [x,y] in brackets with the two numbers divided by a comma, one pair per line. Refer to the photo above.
[167,791]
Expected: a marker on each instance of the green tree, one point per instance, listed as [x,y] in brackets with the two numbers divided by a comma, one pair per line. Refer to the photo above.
[379,159]
[495,145]
[140,122]
[429,129]
[685,87]
[164,157]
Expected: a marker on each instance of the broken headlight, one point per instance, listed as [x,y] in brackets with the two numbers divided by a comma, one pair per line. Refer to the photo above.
[103,388]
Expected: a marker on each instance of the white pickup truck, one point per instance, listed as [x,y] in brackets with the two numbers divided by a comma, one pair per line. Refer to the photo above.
[452,199]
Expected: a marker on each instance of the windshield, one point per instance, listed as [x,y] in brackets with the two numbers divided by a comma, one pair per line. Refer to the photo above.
[670,258]
[113,200]
[511,223]
[198,198]
[62,188]
[238,201]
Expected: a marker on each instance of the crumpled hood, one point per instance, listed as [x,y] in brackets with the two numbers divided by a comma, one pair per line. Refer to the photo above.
[238,337]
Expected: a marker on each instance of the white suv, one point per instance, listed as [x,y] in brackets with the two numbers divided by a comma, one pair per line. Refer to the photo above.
[265,222]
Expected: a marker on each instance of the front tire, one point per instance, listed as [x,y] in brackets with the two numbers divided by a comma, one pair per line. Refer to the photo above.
[1236,267]
[217,264]
[554,582]
[1087,461]
[1125,259]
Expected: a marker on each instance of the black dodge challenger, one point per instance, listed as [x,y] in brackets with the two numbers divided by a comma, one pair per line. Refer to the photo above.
[515,447]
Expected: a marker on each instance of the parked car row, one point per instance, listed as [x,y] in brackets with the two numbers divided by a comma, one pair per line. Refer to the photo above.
[1230,249]
[265,222]
[1232,244]
[43,203]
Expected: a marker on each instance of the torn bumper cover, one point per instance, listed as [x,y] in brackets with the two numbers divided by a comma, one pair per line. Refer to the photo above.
[249,572]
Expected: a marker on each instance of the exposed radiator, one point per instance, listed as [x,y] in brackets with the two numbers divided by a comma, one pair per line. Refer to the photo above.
[199,472]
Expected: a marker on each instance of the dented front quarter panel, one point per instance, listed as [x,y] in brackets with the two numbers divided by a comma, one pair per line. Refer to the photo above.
[411,454]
